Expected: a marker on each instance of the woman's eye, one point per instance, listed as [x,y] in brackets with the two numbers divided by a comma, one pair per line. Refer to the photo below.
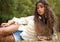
[42,6]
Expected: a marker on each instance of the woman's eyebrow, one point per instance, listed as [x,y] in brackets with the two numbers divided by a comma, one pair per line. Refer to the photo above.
[39,6]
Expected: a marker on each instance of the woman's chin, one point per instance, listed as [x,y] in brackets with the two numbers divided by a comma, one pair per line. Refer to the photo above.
[41,14]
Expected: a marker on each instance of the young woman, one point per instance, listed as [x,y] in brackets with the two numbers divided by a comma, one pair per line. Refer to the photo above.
[40,26]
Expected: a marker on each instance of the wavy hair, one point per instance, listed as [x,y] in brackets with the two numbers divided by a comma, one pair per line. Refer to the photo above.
[44,26]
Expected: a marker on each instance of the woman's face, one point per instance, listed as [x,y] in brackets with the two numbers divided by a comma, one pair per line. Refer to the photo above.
[40,8]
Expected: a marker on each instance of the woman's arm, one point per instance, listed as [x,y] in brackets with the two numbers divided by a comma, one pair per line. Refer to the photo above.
[20,21]
[10,22]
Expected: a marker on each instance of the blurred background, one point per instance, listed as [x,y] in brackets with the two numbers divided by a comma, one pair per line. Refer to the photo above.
[23,8]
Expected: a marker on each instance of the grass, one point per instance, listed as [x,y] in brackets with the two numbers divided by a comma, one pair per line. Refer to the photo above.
[57,40]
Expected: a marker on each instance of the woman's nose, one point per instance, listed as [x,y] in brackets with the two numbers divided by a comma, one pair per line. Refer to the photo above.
[39,9]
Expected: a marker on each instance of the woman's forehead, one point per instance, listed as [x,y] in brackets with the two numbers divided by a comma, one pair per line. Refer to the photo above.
[40,4]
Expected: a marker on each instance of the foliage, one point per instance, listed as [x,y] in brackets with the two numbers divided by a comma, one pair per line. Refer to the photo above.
[17,8]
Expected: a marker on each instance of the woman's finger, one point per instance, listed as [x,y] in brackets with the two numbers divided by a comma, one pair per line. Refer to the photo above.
[3,24]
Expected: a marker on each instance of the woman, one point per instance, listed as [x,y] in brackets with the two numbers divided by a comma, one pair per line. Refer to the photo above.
[40,26]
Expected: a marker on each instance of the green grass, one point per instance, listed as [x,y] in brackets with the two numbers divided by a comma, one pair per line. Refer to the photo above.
[57,40]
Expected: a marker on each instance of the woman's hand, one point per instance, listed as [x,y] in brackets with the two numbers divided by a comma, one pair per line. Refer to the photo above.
[43,38]
[10,22]
[4,24]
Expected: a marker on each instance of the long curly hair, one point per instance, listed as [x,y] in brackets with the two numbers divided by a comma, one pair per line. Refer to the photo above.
[44,26]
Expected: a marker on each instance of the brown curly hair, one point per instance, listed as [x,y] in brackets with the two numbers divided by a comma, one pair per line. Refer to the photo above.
[44,26]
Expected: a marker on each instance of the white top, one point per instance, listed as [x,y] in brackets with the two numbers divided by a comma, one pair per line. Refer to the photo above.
[27,25]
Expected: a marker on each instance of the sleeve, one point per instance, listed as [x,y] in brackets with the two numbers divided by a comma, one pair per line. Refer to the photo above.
[22,28]
[22,20]
[55,28]
[54,33]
